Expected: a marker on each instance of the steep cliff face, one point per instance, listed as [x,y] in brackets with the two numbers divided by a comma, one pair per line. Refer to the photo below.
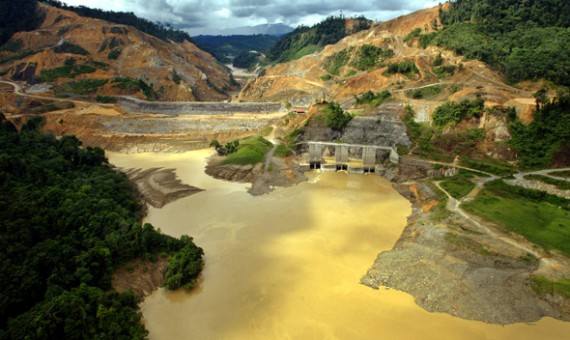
[68,48]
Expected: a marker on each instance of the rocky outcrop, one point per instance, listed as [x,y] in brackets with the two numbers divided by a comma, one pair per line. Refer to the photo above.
[181,108]
[383,128]
[454,267]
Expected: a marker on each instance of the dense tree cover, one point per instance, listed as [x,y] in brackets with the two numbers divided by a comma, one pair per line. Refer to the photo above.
[370,56]
[335,117]
[547,135]
[406,67]
[155,29]
[304,40]
[451,112]
[67,220]
[246,60]
[16,16]
[223,46]
[226,149]
[524,39]
[373,99]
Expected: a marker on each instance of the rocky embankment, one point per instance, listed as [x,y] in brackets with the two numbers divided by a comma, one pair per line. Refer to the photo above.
[185,108]
[452,266]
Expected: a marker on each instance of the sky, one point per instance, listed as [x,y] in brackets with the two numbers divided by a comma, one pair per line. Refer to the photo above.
[204,16]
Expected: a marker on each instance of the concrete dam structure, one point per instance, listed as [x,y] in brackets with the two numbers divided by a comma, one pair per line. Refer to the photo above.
[367,162]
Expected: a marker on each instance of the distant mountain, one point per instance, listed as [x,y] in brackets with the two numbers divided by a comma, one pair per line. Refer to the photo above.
[269,29]
[225,47]
[306,40]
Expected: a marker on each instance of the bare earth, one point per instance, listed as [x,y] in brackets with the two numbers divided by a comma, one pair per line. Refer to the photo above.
[142,277]
[159,186]
[455,267]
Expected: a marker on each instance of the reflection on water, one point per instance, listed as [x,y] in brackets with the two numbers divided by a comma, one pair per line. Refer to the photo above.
[287,265]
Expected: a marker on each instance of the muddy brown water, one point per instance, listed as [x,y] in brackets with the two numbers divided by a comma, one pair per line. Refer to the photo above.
[287,265]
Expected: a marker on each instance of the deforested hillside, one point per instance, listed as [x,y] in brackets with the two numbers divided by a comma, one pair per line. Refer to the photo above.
[81,56]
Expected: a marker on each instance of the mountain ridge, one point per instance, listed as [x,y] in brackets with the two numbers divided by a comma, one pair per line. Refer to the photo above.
[105,59]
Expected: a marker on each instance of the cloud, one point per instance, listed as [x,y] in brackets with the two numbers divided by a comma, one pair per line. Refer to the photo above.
[199,16]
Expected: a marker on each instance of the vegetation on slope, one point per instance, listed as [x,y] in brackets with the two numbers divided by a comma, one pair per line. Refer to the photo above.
[222,46]
[539,142]
[542,218]
[249,151]
[523,39]
[373,99]
[305,40]
[16,16]
[335,117]
[67,221]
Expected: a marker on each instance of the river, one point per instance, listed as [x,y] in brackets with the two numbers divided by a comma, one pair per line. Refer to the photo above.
[287,265]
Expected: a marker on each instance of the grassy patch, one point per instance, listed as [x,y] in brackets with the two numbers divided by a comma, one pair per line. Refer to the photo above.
[283,150]
[439,212]
[444,71]
[543,285]
[114,54]
[310,49]
[85,86]
[370,56]
[458,186]
[495,169]
[18,56]
[69,70]
[335,62]
[526,212]
[250,151]
[67,47]
[106,99]
[406,67]
[373,99]
[560,184]
[350,73]
[425,93]
[565,174]
[12,45]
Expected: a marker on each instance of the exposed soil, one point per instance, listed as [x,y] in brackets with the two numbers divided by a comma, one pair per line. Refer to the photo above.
[279,173]
[455,267]
[140,276]
[159,186]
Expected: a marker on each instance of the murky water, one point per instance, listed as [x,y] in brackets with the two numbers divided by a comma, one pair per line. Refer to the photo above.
[287,265]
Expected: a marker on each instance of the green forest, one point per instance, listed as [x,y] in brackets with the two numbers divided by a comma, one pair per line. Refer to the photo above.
[523,39]
[16,16]
[306,40]
[67,221]
[221,46]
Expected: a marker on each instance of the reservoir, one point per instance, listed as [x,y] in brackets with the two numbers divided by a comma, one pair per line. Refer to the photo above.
[287,265]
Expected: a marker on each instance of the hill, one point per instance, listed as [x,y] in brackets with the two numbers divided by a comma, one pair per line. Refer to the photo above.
[306,40]
[485,119]
[263,29]
[86,56]
[523,39]
[223,47]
